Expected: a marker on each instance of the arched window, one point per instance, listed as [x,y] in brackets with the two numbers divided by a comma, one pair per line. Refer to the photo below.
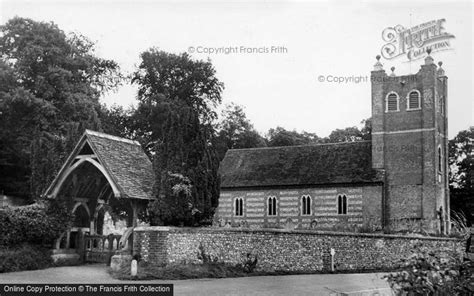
[440,160]
[391,102]
[239,206]
[306,205]
[441,105]
[414,100]
[342,205]
[272,205]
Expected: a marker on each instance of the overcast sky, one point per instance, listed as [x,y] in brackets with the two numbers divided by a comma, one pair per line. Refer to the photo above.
[278,88]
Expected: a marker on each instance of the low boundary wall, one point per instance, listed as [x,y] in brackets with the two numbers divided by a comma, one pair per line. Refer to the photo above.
[282,250]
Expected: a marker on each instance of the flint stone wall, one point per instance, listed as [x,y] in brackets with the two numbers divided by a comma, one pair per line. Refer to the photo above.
[283,250]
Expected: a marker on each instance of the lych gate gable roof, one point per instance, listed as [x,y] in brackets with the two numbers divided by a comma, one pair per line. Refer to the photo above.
[122,161]
[349,162]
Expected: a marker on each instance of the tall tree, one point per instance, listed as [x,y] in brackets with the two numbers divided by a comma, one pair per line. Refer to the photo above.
[174,121]
[117,121]
[366,130]
[235,131]
[282,137]
[52,83]
[461,173]
[349,134]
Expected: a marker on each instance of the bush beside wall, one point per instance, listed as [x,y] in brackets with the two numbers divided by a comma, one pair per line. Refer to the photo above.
[24,257]
[36,224]
[27,233]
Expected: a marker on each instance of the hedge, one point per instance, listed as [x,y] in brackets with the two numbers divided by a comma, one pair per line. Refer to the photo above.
[36,224]
[24,257]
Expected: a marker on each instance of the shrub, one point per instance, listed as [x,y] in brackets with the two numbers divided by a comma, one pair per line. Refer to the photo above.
[250,263]
[460,226]
[39,223]
[425,273]
[204,257]
[24,257]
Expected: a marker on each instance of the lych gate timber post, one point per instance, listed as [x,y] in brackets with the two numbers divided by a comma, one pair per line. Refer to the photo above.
[101,173]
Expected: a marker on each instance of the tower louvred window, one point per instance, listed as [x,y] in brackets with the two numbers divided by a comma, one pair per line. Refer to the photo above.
[392,102]
[414,100]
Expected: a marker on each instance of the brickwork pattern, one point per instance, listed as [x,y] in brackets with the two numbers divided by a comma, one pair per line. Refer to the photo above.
[364,208]
[405,143]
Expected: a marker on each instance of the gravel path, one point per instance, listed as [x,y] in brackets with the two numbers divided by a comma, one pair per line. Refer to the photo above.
[316,284]
[91,273]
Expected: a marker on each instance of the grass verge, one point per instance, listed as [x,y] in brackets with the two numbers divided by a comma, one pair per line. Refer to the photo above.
[180,271]
[208,270]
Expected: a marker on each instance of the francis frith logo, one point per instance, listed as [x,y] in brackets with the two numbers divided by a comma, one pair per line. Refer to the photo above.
[413,42]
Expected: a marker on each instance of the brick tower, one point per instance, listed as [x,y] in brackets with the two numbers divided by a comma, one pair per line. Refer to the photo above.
[409,143]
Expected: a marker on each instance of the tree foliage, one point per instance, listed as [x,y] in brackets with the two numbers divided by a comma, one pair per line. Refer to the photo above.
[461,173]
[176,206]
[35,224]
[282,137]
[174,122]
[235,131]
[117,120]
[50,85]
[460,148]
[426,273]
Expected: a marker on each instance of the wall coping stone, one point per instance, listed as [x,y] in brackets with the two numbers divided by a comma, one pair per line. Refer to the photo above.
[285,231]
[152,228]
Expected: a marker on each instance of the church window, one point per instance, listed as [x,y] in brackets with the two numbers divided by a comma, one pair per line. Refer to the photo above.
[440,160]
[391,102]
[272,205]
[414,100]
[441,105]
[342,204]
[306,205]
[239,206]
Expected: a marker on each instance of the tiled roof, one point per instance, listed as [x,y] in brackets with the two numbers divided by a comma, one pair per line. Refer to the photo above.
[126,162]
[349,162]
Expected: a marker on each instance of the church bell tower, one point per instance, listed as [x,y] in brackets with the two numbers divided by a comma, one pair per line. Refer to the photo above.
[409,143]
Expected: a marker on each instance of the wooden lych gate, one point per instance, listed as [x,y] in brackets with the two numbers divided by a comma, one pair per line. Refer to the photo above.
[102,173]
[100,248]
[94,248]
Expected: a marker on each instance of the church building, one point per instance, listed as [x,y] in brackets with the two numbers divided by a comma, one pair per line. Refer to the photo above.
[396,181]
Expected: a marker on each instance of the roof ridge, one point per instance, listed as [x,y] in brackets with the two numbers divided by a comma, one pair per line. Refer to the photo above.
[304,145]
[111,137]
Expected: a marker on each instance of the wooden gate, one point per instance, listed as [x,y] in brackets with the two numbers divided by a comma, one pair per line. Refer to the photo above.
[100,248]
